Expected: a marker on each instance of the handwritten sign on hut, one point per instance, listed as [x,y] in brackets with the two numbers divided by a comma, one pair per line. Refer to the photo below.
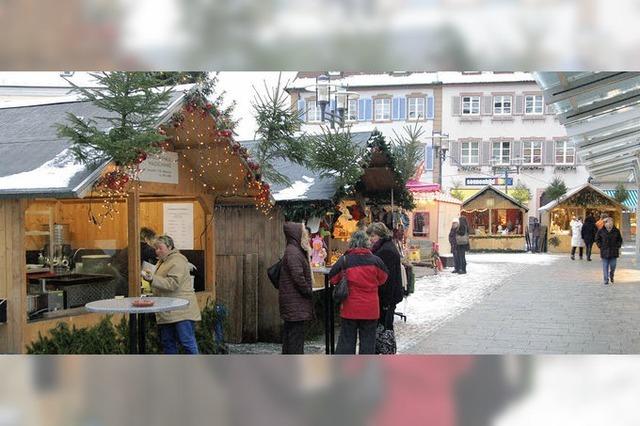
[161,168]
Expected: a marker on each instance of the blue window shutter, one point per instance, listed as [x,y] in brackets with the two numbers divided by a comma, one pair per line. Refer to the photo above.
[301,110]
[368,110]
[395,108]
[403,108]
[360,109]
[429,158]
[429,106]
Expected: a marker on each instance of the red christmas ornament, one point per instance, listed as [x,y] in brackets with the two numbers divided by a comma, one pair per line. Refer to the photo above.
[162,132]
[265,186]
[208,106]
[140,158]
[225,133]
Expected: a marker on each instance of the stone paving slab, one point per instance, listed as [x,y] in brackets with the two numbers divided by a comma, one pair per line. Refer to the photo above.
[554,306]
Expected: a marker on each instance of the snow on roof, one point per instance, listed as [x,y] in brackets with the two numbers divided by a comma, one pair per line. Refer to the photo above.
[573,192]
[56,173]
[297,190]
[44,79]
[420,78]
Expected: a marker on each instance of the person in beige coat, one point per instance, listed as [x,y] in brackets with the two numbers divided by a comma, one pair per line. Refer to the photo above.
[172,279]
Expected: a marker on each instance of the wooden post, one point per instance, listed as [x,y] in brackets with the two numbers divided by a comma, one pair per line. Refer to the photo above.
[207,204]
[13,286]
[490,222]
[133,238]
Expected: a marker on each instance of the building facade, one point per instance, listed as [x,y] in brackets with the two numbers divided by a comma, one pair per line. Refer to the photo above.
[494,121]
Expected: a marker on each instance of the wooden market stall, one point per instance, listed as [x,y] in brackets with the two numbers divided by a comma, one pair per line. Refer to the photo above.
[431,219]
[496,221]
[579,202]
[79,221]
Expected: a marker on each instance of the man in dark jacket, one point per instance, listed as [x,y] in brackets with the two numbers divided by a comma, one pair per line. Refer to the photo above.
[391,293]
[461,248]
[295,288]
[609,242]
[589,234]
[454,245]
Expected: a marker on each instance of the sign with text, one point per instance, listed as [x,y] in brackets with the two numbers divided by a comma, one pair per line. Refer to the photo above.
[178,224]
[484,181]
[160,169]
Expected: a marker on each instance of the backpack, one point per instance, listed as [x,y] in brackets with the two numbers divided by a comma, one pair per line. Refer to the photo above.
[273,272]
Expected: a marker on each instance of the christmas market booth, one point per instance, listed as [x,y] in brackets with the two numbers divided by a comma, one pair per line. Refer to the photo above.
[331,214]
[495,221]
[431,219]
[70,233]
[579,202]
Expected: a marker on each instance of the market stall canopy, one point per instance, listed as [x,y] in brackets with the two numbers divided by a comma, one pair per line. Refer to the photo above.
[587,187]
[418,186]
[36,162]
[632,200]
[601,113]
[489,190]
[306,184]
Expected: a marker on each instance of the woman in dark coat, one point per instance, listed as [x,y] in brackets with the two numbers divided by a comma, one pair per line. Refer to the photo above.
[295,288]
[609,242]
[461,249]
[588,232]
[391,293]
[454,245]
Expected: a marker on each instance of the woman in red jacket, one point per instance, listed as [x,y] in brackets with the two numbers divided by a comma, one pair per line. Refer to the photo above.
[360,311]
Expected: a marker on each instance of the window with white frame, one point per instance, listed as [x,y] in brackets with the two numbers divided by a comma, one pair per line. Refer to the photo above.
[382,109]
[502,105]
[532,152]
[501,152]
[352,110]
[313,112]
[416,108]
[565,152]
[470,105]
[470,153]
[533,105]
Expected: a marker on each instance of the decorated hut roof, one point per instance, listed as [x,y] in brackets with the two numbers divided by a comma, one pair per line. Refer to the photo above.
[583,195]
[36,162]
[497,192]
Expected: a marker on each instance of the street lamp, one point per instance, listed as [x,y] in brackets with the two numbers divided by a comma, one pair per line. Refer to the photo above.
[441,146]
[325,93]
[513,167]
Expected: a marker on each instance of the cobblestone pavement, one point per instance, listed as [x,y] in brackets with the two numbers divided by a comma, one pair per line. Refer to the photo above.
[525,303]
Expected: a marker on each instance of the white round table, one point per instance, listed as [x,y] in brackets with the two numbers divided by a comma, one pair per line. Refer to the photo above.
[136,314]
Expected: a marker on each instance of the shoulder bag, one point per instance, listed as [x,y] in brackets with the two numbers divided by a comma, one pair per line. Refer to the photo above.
[341,290]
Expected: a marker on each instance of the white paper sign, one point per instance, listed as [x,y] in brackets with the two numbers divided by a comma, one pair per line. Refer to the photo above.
[178,224]
[160,169]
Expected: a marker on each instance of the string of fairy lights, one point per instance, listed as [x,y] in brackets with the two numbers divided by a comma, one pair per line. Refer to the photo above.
[206,152]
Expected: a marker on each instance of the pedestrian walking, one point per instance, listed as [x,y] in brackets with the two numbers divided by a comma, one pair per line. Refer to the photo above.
[295,288]
[360,311]
[609,241]
[588,233]
[172,279]
[462,244]
[453,244]
[576,237]
[391,293]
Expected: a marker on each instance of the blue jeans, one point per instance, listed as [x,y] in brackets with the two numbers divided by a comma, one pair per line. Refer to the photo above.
[183,332]
[609,268]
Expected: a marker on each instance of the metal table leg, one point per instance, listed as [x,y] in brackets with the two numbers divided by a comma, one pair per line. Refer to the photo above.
[141,334]
[133,333]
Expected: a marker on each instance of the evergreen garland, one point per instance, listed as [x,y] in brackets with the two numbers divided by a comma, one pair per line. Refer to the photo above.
[588,197]
[300,211]
[621,195]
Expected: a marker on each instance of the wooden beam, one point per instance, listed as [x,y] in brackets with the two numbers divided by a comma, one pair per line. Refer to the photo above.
[133,238]
[210,253]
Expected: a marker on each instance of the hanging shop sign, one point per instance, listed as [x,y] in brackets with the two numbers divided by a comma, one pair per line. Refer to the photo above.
[162,168]
[484,181]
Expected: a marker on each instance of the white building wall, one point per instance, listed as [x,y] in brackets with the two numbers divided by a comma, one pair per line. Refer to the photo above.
[518,129]
[386,127]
